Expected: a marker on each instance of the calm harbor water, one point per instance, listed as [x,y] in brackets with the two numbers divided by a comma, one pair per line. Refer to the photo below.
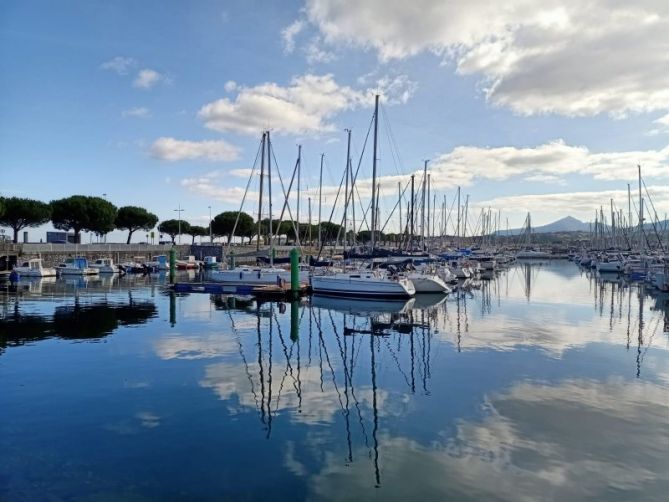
[545,383]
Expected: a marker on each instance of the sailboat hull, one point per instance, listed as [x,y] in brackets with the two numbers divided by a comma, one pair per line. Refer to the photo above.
[350,285]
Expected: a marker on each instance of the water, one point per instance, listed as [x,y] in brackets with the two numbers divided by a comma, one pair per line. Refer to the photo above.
[544,384]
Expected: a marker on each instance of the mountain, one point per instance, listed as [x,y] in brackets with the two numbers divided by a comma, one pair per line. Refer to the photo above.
[566,224]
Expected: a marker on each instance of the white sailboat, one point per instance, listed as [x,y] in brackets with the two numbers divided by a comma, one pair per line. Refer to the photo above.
[364,282]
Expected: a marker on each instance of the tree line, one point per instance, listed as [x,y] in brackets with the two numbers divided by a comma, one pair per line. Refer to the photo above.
[81,213]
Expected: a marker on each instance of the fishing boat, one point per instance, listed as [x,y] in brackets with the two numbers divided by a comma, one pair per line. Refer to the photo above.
[76,266]
[188,264]
[105,266]
[34,268]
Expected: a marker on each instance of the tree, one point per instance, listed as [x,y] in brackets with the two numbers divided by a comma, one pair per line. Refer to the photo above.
[196,231]
[171,228]
[21,213]
[224,223]
[366,236]
[330,230]
[83,213]
[132,218]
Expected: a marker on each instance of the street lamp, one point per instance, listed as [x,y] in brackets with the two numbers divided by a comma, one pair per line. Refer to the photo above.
[210,239]
[179,210]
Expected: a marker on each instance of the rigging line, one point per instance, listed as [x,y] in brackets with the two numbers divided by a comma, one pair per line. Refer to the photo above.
[399,201]
[656,219]
[290,215]
[246,190]
[393,142]
[354,178]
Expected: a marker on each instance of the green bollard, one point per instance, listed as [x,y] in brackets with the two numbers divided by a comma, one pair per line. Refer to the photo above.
[232,259]
[273,255]
[173,264]
[294,320]
[294,272]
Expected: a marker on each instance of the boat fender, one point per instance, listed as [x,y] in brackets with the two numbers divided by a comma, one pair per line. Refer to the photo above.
[14,276]
[241,274]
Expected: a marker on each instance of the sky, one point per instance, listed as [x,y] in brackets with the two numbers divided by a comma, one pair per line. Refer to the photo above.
[545,107]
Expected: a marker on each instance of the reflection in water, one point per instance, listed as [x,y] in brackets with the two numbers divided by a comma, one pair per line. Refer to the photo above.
[76,321]
[545,382]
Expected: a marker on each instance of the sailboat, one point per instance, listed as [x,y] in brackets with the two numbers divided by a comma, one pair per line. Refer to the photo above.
[245,278]
[365,283]
[528,252]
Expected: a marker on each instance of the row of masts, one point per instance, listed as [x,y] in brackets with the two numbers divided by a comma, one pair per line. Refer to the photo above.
[618,230]
[433,220]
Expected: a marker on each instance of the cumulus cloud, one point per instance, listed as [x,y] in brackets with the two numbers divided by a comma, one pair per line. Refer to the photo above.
[581,204]
[148,78]
[464,165]
[557,56]
[172,150]
[550,179]
[289,33]
[305,107]
[120,65]
[139,112]
[209,187]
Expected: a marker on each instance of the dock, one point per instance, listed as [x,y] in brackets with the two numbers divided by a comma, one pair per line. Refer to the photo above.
[268,291]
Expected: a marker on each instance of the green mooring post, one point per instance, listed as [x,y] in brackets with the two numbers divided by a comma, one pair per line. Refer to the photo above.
[232,259]
[294,320]
[173,264]
[294,272]
[173,308]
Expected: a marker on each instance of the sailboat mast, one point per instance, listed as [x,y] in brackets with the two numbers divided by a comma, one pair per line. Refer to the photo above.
[299,169]
[346,198]
[320,204]
[376,132]
[413,178]
[641,243]
[399,203]
[269,193]
[422,207]
[262,174]
[458,230]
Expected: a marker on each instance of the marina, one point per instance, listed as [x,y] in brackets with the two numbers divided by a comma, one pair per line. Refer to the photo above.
[479,393]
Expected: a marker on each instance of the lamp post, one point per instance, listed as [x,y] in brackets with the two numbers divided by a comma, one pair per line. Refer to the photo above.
[210,239]
[179,211]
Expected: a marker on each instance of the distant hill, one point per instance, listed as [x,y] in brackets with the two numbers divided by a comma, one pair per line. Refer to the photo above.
[566,224]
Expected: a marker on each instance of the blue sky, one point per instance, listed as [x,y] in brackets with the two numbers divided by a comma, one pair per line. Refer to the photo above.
[162,103]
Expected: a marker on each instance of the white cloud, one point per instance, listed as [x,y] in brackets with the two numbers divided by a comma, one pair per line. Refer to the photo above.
[316,53]
[578,204]
[305,107]
[662,125]
[230,86]
[147,78]
[289,33]
[208,187]
[119,65]
[550,179]
[139,112]
[172,149]
[241,173]
[556,56]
